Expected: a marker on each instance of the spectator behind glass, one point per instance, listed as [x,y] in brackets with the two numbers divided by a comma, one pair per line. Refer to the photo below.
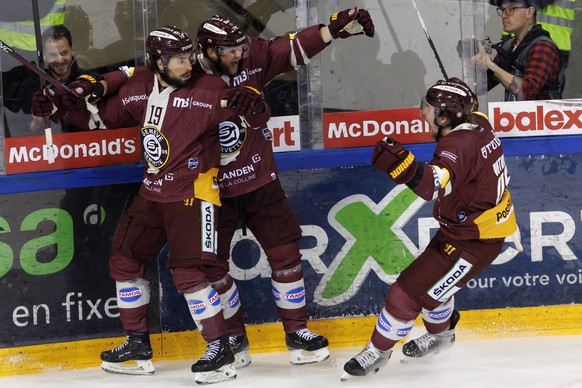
[58,54]
[528,64]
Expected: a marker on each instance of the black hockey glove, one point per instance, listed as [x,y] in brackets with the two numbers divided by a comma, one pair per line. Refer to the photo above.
[391,158]
[341,26]
[244,101]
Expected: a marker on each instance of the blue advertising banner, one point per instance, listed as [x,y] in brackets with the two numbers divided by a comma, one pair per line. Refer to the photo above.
[360,231]
[54,250]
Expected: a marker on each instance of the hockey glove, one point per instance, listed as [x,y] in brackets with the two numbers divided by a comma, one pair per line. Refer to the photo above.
[86,85]
[351,22]
[64,101]
[244,101]
[391,158]
[41,104]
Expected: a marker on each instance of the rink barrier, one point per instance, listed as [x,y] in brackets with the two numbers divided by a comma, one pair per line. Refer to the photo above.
[341,332]
[286,161]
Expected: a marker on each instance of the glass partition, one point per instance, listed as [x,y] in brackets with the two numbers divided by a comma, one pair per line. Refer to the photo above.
[392,70]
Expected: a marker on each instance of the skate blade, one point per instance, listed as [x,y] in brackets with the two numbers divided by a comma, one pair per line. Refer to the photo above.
[427,357]
[302,357]
[242,359]
[345,376]
[133,367]
[224,373]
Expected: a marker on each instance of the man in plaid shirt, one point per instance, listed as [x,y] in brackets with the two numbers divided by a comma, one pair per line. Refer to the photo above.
[528,63]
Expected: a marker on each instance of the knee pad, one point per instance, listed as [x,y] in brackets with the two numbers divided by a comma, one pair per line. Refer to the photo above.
[402,305]
[439,314]
[122,267]
[189,279]
[289,296]
[132,293]
[283,256]
[229,295]
[203,303]
[391,327]
[287,275]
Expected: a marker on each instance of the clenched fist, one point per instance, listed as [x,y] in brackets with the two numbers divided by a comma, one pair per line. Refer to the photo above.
[351,22]
[86,85]
[391,158]
[244,101]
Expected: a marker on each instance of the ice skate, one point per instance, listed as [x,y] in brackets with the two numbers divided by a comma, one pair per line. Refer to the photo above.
[306,347]
[431,343]
[133,357]
[368,361]
[239,344]
[216,365]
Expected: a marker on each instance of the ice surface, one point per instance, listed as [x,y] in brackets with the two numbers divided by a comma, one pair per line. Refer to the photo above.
[516,362]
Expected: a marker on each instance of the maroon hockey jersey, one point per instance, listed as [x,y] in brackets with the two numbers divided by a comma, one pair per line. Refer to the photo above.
[254,165]
[179,128]
[469,178]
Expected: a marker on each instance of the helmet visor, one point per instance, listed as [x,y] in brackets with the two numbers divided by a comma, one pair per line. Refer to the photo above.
[240,51]
[423,105]
[181,59]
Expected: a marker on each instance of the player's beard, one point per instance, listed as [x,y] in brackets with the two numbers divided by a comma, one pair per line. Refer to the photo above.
[228,69]
[170,79]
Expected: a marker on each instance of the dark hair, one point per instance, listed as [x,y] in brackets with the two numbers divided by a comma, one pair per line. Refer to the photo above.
[57,32]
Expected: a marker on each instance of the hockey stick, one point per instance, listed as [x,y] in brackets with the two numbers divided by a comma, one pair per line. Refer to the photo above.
[436,54]
[48,132]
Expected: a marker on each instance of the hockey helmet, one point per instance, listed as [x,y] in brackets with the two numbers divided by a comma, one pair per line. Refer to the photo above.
[219,31]
[168,41]
[452,96]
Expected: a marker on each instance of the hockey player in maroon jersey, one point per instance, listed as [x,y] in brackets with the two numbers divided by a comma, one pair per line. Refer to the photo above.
[256,197]
[179,113]
[468,179]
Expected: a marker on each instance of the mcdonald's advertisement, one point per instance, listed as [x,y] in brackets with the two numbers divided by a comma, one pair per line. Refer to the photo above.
[359,231]
[509,119]
[340,130]
[72,150]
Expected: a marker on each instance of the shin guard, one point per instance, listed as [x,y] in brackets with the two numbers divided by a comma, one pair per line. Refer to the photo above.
[290,302]
[437,320]
[231,305]
[133,298]
[392,328]
[205,308]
